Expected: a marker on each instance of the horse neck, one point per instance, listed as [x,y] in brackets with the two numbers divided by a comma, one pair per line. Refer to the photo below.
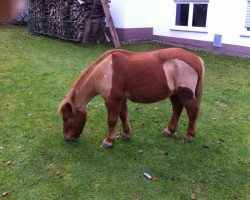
[84,89]
[84,92]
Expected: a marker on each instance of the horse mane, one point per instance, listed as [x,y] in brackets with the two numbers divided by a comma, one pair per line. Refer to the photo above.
[86,73]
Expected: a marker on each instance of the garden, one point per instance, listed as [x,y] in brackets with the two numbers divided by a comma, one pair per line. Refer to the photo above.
[36,73]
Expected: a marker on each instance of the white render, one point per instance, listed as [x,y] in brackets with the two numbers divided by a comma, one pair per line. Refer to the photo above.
[224,17]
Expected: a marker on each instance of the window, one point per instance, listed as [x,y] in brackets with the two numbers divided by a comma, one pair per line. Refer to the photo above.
[182,11]
[248,16]
[200,15]
[191,13]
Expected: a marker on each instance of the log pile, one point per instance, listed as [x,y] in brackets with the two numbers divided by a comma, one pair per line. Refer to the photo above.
[76,20]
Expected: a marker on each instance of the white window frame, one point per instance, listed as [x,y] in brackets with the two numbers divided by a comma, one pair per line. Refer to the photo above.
[189,27]
[247,24]
[245,32]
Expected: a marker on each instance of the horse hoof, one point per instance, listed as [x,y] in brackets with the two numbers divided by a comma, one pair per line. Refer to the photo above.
[126,136]
[106,144]
[187,139]
[166,134]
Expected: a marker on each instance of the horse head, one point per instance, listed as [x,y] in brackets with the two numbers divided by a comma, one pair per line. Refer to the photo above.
[73,121]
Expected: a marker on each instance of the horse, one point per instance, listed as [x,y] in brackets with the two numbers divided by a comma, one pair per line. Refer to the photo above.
[141,77]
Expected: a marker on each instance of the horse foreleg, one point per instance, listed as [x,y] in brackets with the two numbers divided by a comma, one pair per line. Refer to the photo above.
[113,108]
[125,121]
[177,107]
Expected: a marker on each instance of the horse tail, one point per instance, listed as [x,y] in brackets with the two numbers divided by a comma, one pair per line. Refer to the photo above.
[200,85]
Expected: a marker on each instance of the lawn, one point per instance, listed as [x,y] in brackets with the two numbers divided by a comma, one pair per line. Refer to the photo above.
[36,163]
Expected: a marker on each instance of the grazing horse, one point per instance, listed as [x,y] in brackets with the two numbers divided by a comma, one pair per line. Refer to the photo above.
[145,77]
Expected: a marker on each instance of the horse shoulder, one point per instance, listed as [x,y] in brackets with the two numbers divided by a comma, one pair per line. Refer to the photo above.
[103,76]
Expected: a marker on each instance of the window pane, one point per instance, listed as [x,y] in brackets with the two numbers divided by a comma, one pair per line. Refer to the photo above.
[182,14]
[200,15]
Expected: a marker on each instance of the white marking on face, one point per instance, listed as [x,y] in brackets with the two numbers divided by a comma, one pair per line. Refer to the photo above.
[179,73]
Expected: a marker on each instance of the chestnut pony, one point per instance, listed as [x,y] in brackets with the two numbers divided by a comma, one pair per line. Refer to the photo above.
[145,77]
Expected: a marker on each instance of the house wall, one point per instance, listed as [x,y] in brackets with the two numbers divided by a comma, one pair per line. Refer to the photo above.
[225,17]
[133,19]
[132,13]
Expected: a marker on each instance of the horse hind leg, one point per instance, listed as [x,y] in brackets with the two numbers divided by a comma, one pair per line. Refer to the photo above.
[189,102]
[177,108]
[127,134]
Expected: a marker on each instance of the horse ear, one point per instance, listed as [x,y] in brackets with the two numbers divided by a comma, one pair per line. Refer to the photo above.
[67,110]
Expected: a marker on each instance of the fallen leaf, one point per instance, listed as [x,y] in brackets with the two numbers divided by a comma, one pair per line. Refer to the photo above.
[193,196]
[165,145]
[222,172]
[23,161]
[5,194]
[238,160]
[236,195]
[194,181]
[50,166]
[58,172]
[141,151]
[177,137]
[117,136]
[221,140]
[1,147]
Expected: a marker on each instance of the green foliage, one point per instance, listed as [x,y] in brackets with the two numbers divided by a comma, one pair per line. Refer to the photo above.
[36,73]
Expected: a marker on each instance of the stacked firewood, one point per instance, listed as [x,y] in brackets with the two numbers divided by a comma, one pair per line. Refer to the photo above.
[77,20]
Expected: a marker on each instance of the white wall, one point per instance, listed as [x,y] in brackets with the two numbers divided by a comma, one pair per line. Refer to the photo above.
[117,9]
[132,13]
[225,17]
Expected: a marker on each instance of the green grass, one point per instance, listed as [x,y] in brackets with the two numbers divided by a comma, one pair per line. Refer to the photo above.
[36,73]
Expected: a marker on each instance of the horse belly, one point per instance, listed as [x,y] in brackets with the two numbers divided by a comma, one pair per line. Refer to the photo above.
[148,90]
